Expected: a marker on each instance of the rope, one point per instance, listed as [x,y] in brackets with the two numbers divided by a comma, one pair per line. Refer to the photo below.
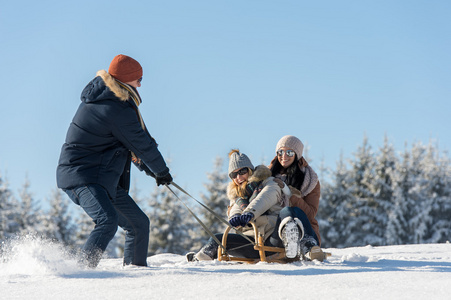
[211,211]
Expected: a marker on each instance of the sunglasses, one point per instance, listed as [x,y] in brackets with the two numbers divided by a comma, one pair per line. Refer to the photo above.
[239,172]
[289,153]
[140,79]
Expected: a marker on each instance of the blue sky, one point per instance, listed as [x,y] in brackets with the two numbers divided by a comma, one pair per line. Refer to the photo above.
[225,74]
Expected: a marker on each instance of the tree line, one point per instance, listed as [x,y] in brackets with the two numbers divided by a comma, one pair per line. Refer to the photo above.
[377,197]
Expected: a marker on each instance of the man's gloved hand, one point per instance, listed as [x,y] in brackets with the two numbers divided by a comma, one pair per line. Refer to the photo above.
[167,179]
[246,218]
[235,220]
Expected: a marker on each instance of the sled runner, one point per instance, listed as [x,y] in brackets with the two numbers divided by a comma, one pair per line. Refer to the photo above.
[278,257]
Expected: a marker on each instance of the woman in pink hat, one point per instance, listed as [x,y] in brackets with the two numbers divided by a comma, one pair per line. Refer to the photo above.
[298,227]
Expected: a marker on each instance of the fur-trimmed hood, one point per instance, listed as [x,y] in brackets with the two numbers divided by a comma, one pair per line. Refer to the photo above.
[261,173]
[104,87]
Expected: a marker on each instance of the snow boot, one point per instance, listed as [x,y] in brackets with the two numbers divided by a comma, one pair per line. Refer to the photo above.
[199,256]
[316,253]
[306,244]
[190,256]
[291,232]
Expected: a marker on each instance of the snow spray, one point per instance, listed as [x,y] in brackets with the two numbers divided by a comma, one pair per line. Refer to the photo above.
[33,255]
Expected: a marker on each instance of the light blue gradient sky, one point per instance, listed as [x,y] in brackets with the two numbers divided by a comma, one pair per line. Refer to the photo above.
[225,74]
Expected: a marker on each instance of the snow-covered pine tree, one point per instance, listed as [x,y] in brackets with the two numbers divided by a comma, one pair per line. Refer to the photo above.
[59,223]
[397,231]
[361,201]
[29,216]
[335,208]
[382,186]
[419,211]
[435,174]
[171,225]
[440,230]
[8,211]
[216,199]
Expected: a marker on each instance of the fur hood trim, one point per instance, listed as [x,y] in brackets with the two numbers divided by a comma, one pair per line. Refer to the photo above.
[261,173]
[111,83]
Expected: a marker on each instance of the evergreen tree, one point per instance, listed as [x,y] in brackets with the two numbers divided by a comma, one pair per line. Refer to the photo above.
[8,224]
[436,196]
[29,217]
[59,220]
[216,199]
[335,208]
[419,209]
[171,227]
[397,231]
[382,187]
[361,201]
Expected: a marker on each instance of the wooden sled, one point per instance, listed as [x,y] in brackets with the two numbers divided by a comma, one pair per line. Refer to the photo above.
[278,257]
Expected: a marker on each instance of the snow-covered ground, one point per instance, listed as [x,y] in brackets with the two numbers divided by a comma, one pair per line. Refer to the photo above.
[35,269]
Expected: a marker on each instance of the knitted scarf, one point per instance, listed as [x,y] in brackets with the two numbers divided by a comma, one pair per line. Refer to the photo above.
[309,183]
[136,98]
[243,202]
[310,180]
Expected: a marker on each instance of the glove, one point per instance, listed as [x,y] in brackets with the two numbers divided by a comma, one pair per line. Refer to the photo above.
[235,220]
[167,179]
[246,218]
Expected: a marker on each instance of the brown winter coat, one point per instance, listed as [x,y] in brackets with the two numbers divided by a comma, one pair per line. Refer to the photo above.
[307,198]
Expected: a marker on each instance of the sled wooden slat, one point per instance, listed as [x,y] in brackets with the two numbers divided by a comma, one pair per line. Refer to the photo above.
[279,256]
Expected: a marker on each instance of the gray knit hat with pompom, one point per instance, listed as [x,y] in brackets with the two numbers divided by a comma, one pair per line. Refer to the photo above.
[238,160]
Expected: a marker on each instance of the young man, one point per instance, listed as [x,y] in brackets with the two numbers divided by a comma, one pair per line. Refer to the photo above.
[106,134]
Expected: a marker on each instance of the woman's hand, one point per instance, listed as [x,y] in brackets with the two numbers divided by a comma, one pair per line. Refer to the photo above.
[241,220]
[246,218]
[235,220]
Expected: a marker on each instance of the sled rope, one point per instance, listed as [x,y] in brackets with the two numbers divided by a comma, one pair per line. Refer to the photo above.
[220,218]
[198,220]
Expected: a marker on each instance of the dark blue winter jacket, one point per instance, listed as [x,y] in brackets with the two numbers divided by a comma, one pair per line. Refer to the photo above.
[104,130]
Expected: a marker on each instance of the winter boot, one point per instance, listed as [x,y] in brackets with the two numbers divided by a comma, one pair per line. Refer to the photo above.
[316,253]
[199,256]
[190,256]
[306,244]
[310,249]
[291,232]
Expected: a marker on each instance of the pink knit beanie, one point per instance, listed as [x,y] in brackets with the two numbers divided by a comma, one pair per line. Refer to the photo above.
[291,142]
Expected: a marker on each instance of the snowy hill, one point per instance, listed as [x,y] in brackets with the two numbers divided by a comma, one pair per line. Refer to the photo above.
[34,269]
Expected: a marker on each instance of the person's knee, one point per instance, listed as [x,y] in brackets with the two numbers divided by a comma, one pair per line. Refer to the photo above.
[145,224]
[285,212]
[109,222]
[141,225]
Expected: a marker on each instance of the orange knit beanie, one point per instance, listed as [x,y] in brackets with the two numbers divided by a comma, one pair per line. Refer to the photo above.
[125,69]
